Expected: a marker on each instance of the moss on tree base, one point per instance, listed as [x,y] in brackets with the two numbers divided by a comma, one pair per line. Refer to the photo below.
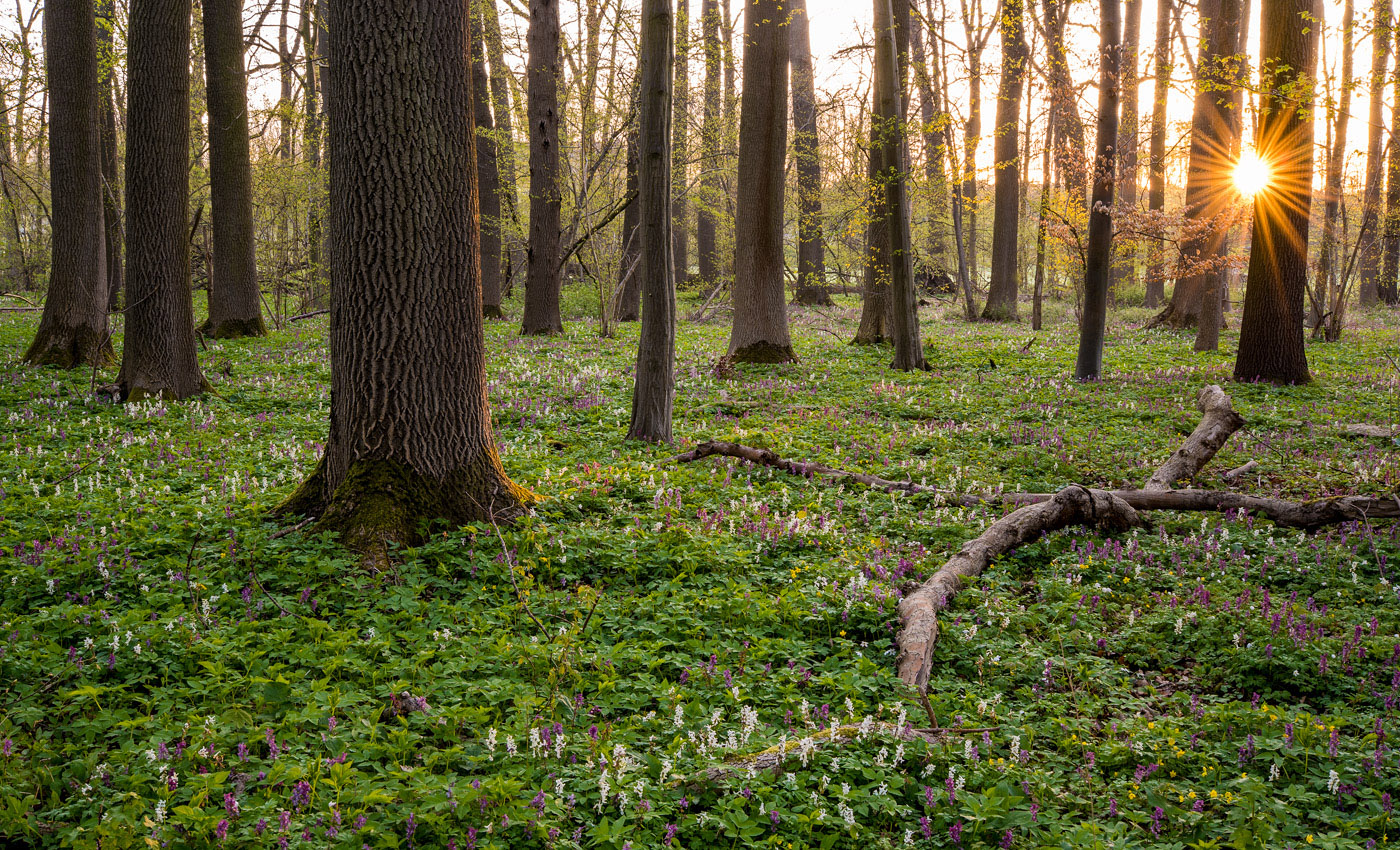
[70,348]
[492,311]
[381,503]
[764,352]
[234,328]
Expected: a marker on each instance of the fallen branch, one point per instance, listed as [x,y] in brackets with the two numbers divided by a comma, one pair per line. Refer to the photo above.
[1369,431]
[310,315]
[1243,469]
[918,612]
[1218,422]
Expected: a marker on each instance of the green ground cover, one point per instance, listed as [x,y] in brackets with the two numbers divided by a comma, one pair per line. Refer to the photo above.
[172,674]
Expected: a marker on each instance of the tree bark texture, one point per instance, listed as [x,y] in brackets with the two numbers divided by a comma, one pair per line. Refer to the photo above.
[711,185]
[680,144]
[1099,256]
[654,391]
[544,279]
[1069,128]
[1271,330]
[235,308]
[111,165]
[513,254]
[934,139]
[1328,259]
[410,432]
[1390,231]
[158,352]
[629,271]
[806,154]
[1157,149]
[1006,215]
[1218,421]
[73,329]
[1370,249]
[760,332]
[1125,269]
[488,176]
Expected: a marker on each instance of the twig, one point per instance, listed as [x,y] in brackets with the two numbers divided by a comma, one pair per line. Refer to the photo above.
[510,568]
[312,314]
[277,535]
[253,571]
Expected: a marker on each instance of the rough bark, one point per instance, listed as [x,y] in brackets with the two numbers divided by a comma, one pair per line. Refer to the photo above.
[806,155]
[1338,114]
[1219,420]
[654,391]
[1006,215]
[158,353]
[1370,249]
[1037,295]
[73,329]
[680,145]
[933,120]
[410,432]
[111,165]
[513,256]
[487,176]
[889,114]
[13,265]
[1208,196]
[711,186]
[1125,268]
[235,308]
[1390,268]
[1271,330]
[1069,128]
[544,277]
[873,328]
[760,332]
[1157,148]
[629,275]
[918,612]
[1099,254]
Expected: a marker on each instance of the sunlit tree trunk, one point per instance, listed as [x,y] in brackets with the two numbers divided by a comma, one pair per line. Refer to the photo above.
[1328,259]
[1386,287]
[1099,255]
[680,134]
[1069,129]
[1271,330]
[1125,267]
[1157,148]
[487,175]
[932,121]
[811,247]
[1369,264]
[893,174]
[1006,219]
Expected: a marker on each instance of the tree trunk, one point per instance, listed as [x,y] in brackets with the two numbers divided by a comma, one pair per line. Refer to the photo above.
[235,308]
[1271,331]
[544,277]
[972,137]
[513,255]
[15,269]
[1208,197]
[73,329]
[1069,129]
[111,165]
[407,238]
[760,332]
[1125,269]
[894,175]
[654,391]
[933,120]
[629,270]
[1386,287]
[711,181]
[1157,153]
[1370,248]
[1099,256]
[1006,218]
[1038,295]
[313,37]
[487,176]
[811,247]
[680,135]
[158,355]
[1328,259]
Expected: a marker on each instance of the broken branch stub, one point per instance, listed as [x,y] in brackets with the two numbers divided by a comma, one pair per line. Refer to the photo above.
[1219,420]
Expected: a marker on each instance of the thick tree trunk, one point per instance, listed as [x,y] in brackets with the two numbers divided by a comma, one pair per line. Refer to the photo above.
[760,332]
[811,247]
[111,165]
[680,145]
[654,391]
[1208,196]
[711,178]
[1271,331]
[235,308]
[889,118]
[1157,149]
[1006,217]
[1370,248]
[487,176]
[544,279]
[158,355]
[73,329]
[1099,255]
[406,238]
[1125,267]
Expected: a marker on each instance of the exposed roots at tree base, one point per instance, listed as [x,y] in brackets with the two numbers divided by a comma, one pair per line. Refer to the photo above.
[234,328]
[70,348]
[492,311]
[764,352]
[385,503]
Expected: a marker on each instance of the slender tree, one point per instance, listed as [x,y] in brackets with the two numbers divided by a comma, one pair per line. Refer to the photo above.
[711,174]
[158,355]
[1157,147]
[513,255]
[1099,256]
[1006,217]
[544,279]
[1271,330]
[977,32]
[680,140]
[654,391]
[1369,265]
[73,329]
[806,155]
[1390,231]
[1339,111]
[629,270]
[1069,128]
[1125,269]
[760,332]
[235,308]
[487,174]
[410,430]
[111,165]
[933,130]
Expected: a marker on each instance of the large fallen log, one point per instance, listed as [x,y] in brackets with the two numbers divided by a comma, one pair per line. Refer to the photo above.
[918,612]
[1218,421]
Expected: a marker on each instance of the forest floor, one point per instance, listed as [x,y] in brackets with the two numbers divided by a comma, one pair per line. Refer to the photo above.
[174,673]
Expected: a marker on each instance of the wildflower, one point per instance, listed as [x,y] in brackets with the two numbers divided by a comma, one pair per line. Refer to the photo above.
[7,747]
[955,832]
[221,831]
